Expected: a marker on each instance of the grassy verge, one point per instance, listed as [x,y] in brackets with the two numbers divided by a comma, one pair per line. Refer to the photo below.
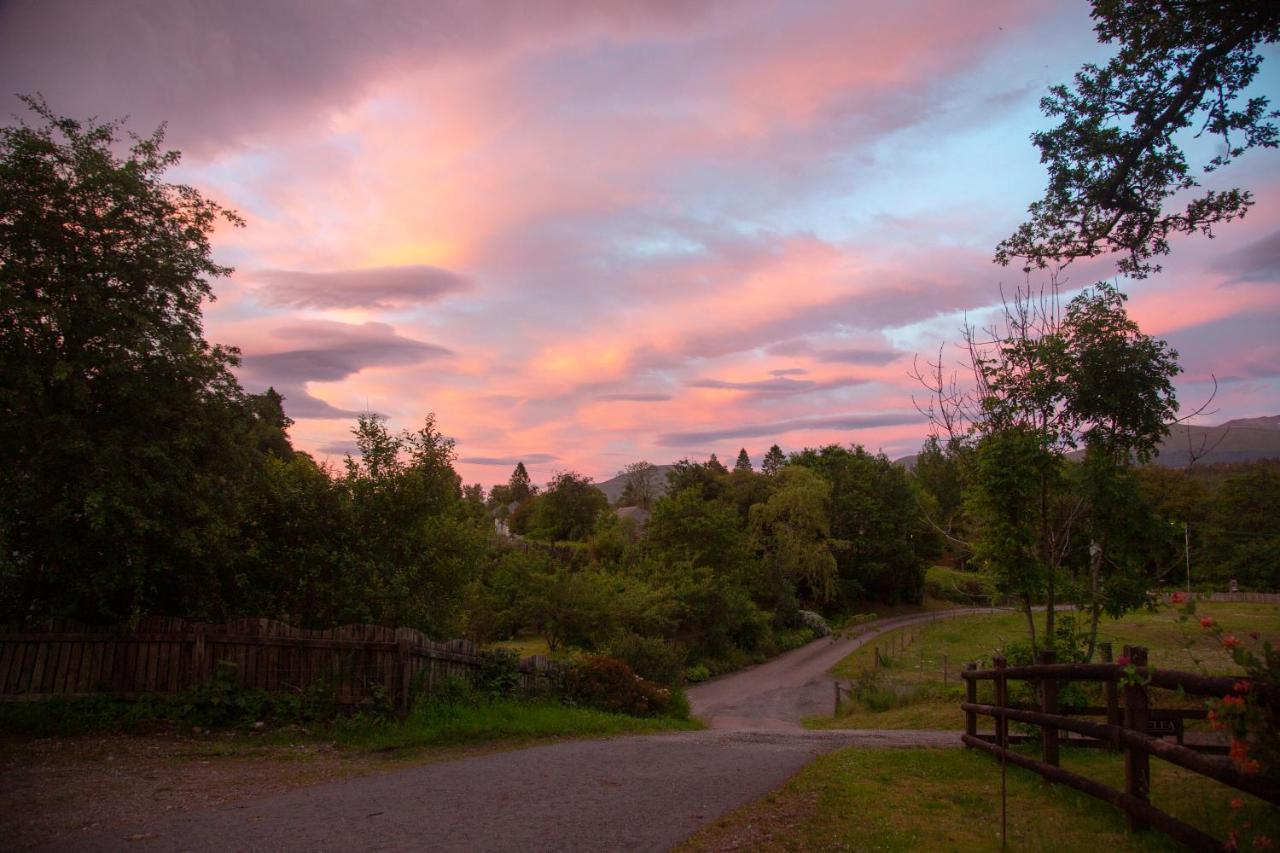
[453,724]
[911,693]
[919,799]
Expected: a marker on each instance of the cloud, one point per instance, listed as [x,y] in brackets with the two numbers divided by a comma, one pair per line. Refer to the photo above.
[639,397]
[780,386]
[379,288]
[1258,261]
[836,355]
[789,371]
[698,437]
[341,448]
[512,461]
[306,351]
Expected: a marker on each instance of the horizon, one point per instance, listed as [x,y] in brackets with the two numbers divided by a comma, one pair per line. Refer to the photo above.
[629,231]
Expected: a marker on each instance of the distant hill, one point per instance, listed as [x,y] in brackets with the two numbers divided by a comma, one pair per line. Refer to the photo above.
[1241,440]
[613,488]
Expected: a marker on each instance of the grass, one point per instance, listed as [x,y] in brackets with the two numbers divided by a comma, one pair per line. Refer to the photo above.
[438,724]
[933,799]
[917,655]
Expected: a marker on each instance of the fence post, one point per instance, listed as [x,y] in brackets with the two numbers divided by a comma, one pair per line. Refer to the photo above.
[944,669]
[198,655]
[1137,763]
[1002,700]
[1111,692]
[405,660]
[1049,705]
[1002,738]
[971,696]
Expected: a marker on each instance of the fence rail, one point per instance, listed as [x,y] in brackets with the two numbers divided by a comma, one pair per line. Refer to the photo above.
[159,655]
[1127,728]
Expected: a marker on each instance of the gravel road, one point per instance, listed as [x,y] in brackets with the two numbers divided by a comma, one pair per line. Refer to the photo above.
[625,793]
[780,693]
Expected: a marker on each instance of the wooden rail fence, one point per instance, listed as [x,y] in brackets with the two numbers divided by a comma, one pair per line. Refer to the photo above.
[161,655]
[1127,728]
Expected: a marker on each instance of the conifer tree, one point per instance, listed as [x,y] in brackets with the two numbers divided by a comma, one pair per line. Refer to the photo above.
[773,461]
[744,461]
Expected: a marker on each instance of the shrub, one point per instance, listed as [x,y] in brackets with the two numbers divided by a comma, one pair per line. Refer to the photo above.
[697,672]
[815,623]
[649,657]
[499,672]
[610,685]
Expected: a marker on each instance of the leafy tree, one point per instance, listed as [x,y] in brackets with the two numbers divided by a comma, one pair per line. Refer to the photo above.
[744,461]
[939,474]
[1242,533]
[716,466]
[792,529]
[417,541]
[773,461]
[641,486]
[685,474]
[1089,378]
[687,526]
[1116,157]
[568,509]
[123,434]
[874,511]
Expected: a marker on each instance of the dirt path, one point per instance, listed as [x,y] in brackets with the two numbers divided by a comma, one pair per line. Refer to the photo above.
[780,693]
[626,793]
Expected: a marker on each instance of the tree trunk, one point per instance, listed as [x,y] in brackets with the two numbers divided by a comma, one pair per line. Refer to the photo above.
[1095,611]
[1031,624]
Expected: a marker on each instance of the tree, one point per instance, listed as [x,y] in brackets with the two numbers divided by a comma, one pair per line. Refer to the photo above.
[520,488]
[874,516]
[641,486]
[124,437]
[715,465]
[792,529]
[1116,157]
[568,509]
[773,461]
[744,461]
[1046,384]
[415,542]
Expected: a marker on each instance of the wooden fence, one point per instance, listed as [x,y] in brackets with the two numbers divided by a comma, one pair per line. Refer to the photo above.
[1127,728]
[159,655]
[1227,597]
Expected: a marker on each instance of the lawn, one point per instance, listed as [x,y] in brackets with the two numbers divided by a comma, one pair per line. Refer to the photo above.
[920,656]
[933,799]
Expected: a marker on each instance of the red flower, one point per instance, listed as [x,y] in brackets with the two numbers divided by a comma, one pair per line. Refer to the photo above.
[1230,641]
[1251,766]
[1178,598]
[1233,701]
[1206,622]
[1239,750]
[1123,660]
[1241,686]
[1261,842]
[1237,803]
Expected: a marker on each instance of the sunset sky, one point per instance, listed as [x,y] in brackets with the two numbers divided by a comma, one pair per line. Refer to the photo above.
[588,233]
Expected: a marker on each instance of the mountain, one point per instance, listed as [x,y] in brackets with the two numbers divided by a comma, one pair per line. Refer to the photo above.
[613,488]
[1240,440]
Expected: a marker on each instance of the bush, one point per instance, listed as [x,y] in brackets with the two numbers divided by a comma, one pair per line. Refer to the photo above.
[499,672]
[610,685]
[815,623]
[649,657]
[697,672]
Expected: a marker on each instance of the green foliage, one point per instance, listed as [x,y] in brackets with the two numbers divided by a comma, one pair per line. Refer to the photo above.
[874,511]
[567,510]
[610,685]
[1115,158]
[792,530]
[658,660]
[696,673]
[962,587]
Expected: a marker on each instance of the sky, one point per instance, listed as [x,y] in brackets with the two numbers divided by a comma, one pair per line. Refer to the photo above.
[585,233]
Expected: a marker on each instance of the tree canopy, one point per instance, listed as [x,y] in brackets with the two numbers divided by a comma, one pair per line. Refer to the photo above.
[1116,157]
